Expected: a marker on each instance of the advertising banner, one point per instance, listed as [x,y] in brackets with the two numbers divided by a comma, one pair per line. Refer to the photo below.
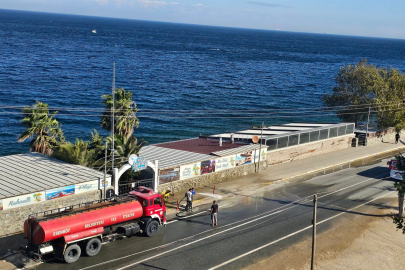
[243,159]
[190,170]
[23,200]
[207,166]
[60,192]
[168,175]
[262,154]
[88,186]
[224,163]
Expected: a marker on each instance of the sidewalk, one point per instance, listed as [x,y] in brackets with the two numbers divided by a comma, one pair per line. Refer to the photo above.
[320,164]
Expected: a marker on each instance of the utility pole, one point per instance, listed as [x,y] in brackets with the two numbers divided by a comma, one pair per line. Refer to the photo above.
[105,168]
[112,124]
[368,120]
[314,233]
[260,149]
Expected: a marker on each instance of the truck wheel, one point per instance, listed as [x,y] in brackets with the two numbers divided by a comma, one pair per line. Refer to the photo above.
[72,254]
[152,228]
[93,247]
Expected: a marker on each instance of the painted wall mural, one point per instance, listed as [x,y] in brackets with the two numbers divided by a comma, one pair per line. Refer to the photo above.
[23,200]
[225,163]
[208,166]
[190,170]
[60,192]
[168,175]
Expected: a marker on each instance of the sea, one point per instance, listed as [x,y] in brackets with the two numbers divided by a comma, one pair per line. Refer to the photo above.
[187,80]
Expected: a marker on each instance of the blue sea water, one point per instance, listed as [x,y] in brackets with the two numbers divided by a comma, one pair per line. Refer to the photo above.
[57,59]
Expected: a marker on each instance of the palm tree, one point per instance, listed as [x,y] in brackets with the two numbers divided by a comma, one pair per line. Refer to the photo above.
[125,147]
[124,113]
[78,153]
[44,130]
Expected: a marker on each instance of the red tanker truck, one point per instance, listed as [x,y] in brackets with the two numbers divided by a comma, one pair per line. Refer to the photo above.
[81,229]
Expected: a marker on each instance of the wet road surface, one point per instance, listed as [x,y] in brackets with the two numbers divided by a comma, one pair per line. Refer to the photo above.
[251,227]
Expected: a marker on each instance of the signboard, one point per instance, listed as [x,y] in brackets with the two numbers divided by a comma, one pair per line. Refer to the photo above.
[395,174]
[260,153]
[23,200]
[208,166]
[87,186]
[137,163]
[243,159]
[190,170]
[61,192]
[168,175]
[224,163]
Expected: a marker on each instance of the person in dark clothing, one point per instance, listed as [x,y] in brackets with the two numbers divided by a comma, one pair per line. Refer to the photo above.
[397,137]
[214,214]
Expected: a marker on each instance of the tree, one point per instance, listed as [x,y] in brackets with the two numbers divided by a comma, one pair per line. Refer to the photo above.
[356,85]
[125,147]
[124,113]
[44,130]
[78,153]
[363,86]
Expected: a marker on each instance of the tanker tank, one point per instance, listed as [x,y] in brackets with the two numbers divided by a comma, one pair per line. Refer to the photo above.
[49,229]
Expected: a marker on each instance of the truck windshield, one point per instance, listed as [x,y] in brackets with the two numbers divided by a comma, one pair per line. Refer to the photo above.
[158,201]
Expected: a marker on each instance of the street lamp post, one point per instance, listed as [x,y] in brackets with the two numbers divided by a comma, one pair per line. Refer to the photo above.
[260,148]
[105,168]
[112,123]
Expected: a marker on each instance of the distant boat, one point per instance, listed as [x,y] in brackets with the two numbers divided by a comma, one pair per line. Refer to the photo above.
[94,31]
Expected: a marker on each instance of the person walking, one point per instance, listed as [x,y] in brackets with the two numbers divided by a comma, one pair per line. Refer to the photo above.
[189,196]
[214,214]
[397,137]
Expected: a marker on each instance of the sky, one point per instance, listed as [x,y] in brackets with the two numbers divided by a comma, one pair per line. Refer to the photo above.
[374,18]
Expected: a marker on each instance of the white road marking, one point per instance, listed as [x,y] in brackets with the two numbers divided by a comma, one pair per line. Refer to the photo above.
[199,240]
[284,208]
[294,233]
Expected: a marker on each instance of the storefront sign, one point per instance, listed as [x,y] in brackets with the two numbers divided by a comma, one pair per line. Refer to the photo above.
[224,163]
[23,200]
[61,192]
[190,170]
[137,163]
[85,187]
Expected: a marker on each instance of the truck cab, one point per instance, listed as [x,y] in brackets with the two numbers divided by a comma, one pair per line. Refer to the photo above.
[152,203]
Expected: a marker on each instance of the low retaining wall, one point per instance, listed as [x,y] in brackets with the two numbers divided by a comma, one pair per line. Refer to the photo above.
[384,136]
[289,154]
[12,220]
[212,177]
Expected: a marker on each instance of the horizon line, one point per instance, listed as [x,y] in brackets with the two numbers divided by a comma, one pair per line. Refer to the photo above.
[206,25]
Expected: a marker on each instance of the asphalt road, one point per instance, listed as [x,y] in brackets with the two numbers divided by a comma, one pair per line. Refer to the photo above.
[250,228]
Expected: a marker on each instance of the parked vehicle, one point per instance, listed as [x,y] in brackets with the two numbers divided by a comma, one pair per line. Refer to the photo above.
[394,172]
[78,229]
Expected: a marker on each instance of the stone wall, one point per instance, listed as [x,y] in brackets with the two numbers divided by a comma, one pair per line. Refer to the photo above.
[212,177]
[308,150]
[12,220]
[387,136]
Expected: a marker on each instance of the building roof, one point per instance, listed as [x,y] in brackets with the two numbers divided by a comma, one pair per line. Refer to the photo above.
[32,172]
[200,145]
[168,157]
[238,150]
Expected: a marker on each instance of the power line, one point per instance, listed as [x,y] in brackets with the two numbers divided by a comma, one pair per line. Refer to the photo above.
[257,115]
